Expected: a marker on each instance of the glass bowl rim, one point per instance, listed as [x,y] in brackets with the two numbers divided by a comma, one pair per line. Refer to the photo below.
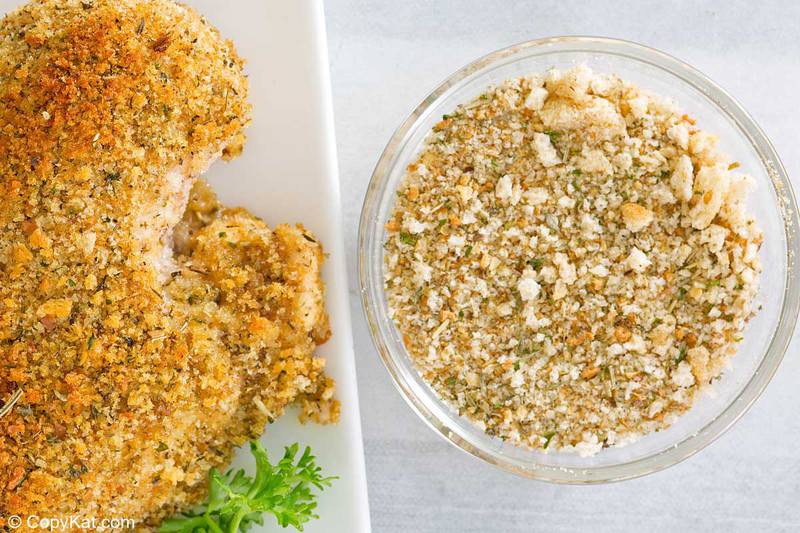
[781,336]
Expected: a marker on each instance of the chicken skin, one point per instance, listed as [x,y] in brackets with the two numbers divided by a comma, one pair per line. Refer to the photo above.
[145,330]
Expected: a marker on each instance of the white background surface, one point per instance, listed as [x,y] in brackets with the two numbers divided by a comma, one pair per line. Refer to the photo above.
[386,55]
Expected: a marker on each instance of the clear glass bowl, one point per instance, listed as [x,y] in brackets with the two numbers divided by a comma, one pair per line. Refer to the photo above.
[773,203]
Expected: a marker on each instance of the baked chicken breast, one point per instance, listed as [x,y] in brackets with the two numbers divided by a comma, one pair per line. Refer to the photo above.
[145,330]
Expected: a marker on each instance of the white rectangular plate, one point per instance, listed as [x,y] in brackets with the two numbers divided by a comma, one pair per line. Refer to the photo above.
[288,173]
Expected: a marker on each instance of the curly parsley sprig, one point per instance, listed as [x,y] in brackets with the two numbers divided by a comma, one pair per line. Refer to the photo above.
[236,501]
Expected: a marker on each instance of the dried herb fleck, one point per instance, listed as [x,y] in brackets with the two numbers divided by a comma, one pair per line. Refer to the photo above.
[407,238]
[681,355]
[162,43]
[554,136]
[547,438]
[536,263]
[9,405]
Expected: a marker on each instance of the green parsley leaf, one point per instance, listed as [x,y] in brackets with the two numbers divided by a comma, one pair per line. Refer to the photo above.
[237,501]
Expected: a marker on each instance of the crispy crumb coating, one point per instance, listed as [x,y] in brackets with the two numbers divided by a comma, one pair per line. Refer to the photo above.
[141,368]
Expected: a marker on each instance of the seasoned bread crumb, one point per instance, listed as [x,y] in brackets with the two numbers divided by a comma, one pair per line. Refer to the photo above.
[584,265]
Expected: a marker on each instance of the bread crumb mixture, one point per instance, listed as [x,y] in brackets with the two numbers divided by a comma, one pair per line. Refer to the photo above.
[570,260]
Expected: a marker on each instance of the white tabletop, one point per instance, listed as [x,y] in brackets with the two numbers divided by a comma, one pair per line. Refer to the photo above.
[386,55]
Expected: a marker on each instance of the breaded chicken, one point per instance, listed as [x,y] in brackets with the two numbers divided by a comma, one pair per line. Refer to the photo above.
[139,354]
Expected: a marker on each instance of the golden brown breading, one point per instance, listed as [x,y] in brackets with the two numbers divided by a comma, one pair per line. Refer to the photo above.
[139,370]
